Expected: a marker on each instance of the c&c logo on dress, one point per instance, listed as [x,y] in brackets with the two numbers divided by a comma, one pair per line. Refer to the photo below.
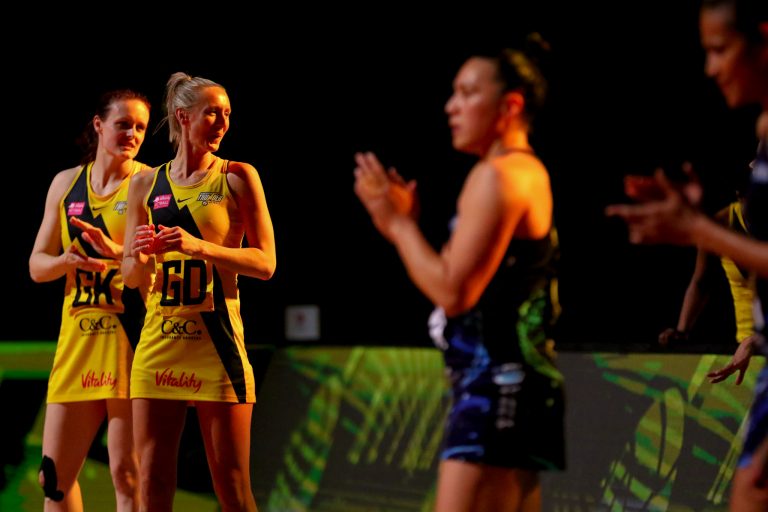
[96,324]
[186,327]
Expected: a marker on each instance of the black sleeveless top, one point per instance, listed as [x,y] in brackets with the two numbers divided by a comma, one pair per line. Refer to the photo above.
[516,313]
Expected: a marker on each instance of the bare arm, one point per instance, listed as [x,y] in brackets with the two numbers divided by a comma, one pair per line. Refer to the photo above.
[698,292]
[671,217]
[47,261]
[488,213]
[696,297]
[699,289]
[746,252]
[139,237]
[489,210]
[259,259]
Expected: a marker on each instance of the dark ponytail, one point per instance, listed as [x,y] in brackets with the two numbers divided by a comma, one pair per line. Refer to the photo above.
[523,71]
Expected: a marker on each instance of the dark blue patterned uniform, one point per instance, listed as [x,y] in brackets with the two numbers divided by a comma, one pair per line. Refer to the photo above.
[508,402]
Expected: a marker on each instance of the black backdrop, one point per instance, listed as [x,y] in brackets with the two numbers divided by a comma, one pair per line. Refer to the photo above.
[310,86]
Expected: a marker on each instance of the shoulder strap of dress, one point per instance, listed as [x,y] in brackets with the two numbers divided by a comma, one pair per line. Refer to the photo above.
[83,174]
[737,216]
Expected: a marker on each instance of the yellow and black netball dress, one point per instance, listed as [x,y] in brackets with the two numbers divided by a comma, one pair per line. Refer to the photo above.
[100,320]
[192,345]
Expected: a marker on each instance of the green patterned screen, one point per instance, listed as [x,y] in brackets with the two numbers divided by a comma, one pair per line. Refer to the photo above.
[346,429]
[354,429]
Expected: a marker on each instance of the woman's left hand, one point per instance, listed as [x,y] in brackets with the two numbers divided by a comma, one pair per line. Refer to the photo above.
[739,362]
[101,243]
[176,239]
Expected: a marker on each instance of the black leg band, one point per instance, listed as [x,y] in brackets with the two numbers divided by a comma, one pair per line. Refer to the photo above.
[50,480]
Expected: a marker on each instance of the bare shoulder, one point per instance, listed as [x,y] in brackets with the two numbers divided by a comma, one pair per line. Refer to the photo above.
[144,167]
[484,185]
[143,179]
[243,177]
[522,166]
[523,172]
[144,175]
[517,170]
[484,171]
[63,180]
[514,178]
[67,175]
[242,170]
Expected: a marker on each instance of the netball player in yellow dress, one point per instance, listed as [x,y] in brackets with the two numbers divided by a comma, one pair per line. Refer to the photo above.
[81,237]
[186,225]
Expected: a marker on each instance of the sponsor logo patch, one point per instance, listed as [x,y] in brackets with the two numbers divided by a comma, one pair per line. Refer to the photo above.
[75,208]
[161,201]
[167,378]
[209,197]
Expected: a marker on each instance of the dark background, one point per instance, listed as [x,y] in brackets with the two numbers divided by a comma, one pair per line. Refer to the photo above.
[628,94]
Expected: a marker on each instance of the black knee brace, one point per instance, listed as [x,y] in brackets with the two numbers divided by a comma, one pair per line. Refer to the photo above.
[50,480]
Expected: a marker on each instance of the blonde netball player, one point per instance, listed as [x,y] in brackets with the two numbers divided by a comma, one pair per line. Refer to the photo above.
[186,225]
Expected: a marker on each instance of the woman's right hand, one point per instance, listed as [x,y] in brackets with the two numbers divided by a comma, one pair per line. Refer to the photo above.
[143,241]
[385,194]
[666,212]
